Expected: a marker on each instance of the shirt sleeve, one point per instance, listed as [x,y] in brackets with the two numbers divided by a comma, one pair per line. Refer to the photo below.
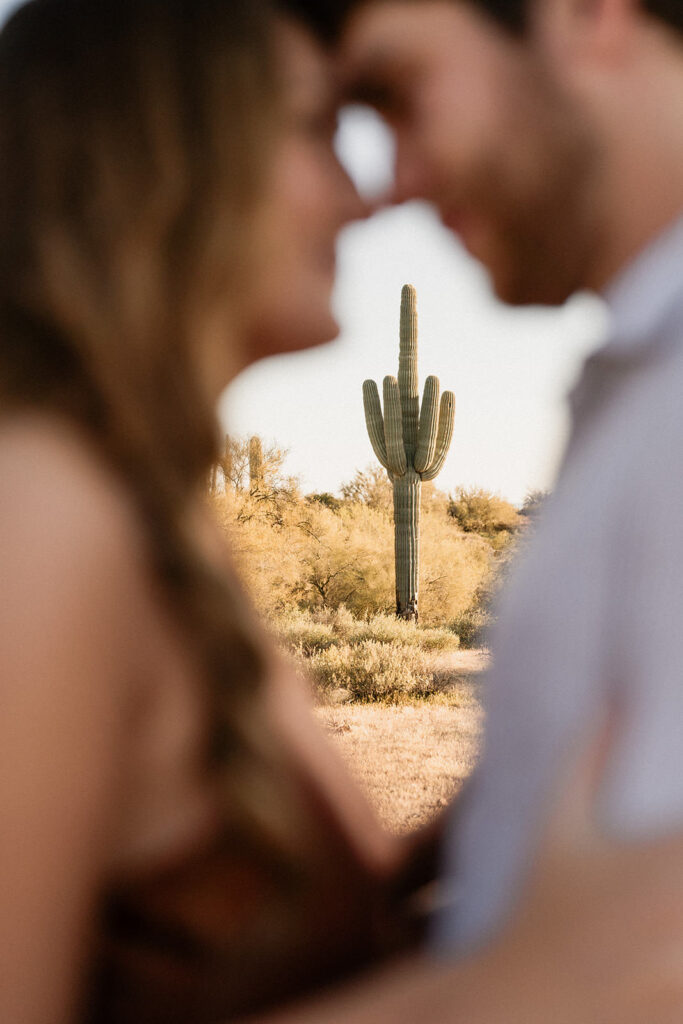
[643,792]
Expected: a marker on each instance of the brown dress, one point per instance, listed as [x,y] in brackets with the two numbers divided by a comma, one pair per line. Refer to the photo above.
[196,927]
[218,935]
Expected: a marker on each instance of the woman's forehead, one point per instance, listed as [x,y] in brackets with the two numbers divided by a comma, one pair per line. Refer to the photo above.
[307,69]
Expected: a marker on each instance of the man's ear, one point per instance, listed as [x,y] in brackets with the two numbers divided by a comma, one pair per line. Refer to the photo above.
[581,32]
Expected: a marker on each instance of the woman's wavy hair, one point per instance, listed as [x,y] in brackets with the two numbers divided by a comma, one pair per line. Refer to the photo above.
[134,135]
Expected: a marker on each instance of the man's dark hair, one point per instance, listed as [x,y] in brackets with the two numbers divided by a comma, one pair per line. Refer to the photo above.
[326,17]
[514,13]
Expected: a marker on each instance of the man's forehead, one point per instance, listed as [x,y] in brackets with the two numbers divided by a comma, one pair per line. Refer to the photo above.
[387,29]
[394,22]
[386,38]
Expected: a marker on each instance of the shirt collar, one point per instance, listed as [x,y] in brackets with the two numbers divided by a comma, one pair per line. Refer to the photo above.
[643,295]
[641,302]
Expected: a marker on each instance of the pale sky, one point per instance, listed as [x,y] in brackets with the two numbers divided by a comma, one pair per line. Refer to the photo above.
[510,369]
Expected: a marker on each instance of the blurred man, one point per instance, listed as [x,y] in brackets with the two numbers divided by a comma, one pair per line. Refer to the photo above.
[549,135]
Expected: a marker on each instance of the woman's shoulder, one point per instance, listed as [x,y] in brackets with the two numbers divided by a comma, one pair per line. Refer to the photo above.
[58,492]
[70,545]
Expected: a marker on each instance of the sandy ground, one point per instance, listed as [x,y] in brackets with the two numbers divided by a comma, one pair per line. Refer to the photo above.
[412,759]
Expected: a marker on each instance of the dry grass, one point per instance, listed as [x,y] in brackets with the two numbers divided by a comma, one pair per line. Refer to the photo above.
[412,759]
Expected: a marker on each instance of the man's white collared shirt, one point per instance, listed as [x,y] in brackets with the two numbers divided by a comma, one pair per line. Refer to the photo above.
[593,616]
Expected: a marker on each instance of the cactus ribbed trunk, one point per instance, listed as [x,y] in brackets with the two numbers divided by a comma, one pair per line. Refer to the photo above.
[408,488]
[407,494]
[407,372]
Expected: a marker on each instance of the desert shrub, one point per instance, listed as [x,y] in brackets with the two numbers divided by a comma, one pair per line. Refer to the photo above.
[472,627]
[265,546]
[387,629]
[352,563]
[369,486]
[383,629]
[438,640]
[379,658]
[453,568]
[478,511]
[371,671]
[349,562]
[301,633]
[310,631]
[324,498]
[231,472]
[298,554]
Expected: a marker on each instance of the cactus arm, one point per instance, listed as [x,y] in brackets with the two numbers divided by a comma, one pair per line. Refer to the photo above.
[429,425]
[375,422]
[393,428]
[445,435]
[407,371]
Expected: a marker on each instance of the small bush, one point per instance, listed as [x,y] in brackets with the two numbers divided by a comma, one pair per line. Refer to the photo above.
[371,671]
[439,640]
[478,511]
[370,487]
[387,629]
[472,627]
[301,633]
[317,631]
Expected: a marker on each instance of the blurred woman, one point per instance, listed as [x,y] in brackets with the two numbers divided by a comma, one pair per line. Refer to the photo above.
[178,843]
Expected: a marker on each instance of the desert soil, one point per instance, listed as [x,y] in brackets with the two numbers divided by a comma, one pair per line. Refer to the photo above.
[412,759]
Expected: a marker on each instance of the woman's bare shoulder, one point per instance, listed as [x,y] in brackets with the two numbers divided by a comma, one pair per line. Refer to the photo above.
[53,475]
[70,545]
[66,604]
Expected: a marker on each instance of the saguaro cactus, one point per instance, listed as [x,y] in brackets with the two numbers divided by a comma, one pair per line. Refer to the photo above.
[255,464]
[412,443]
